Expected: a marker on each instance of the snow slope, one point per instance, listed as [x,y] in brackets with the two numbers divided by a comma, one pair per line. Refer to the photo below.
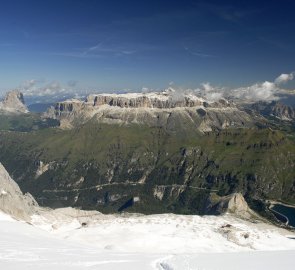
[165,233]
[59,239]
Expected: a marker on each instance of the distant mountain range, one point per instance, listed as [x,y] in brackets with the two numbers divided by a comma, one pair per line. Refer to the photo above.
[275,109]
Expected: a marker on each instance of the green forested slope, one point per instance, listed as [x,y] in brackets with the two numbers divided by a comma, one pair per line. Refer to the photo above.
[100,166]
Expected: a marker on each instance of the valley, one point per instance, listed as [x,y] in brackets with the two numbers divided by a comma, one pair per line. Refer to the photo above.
[152,165]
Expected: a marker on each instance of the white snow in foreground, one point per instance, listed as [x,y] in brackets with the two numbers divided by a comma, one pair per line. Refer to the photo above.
[164,242]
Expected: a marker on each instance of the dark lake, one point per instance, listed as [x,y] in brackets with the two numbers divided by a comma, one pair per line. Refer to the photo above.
[287,211]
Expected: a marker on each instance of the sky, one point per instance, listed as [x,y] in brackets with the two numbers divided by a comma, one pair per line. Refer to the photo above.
[89,45]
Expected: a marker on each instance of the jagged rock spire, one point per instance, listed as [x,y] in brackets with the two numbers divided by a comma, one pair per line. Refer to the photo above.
[14,102]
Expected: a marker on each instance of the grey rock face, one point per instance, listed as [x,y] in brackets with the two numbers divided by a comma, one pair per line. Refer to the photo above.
[12,200]
[14,103]
[233,203]
[143,101]
[282,111]
[276,109]
[152,109]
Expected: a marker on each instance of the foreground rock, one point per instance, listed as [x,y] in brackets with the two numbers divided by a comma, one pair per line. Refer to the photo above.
[13,102]
[233,203]
[12,200]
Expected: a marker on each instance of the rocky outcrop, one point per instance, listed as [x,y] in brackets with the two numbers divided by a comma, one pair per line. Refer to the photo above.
[233,203]
[12,200]
[42,168]
[13,103]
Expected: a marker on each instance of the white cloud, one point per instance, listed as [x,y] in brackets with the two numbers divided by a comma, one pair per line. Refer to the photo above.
[211,93]
[261,91]
[146,90]
[265,91]
[28,84]
[207,87]
[284,78]
[256,92]
[40,88]
[213,96]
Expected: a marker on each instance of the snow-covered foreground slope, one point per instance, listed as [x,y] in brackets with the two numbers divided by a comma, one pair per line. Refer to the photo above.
[23,246]
[61,239]
[165,233]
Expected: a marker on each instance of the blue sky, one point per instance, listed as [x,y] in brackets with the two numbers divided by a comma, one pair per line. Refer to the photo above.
[116,45]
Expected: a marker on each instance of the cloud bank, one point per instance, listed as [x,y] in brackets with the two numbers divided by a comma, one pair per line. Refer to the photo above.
[265,91]
[41,88]
[284,78]
[261,91]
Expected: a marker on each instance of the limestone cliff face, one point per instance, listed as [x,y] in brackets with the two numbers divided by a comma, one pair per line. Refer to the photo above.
[12,200]
[13,103]
[237,204]
[152,100]
[233,203]
[152,109]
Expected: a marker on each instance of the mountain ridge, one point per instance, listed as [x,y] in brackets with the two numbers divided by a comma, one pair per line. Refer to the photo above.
[153,109]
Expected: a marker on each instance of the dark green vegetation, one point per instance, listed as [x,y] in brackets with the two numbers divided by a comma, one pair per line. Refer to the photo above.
[25,122]
[100,166]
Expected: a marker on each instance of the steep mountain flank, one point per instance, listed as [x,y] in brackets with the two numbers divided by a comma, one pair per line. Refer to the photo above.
[139,168]
[13,103]
[233,203]
[12,200]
